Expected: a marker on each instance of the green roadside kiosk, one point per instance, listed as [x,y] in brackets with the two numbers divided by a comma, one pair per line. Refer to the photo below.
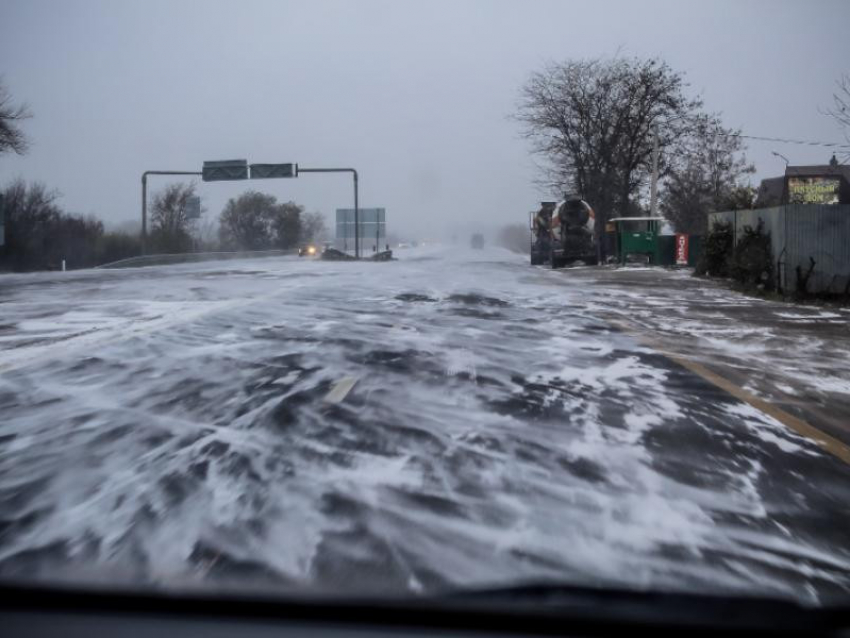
[650,237]
[640,236]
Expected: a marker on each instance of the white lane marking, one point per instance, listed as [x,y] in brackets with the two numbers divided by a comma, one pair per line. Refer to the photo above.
[340,390]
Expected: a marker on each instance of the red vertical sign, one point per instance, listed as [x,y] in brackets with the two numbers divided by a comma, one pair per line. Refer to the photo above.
[681,249]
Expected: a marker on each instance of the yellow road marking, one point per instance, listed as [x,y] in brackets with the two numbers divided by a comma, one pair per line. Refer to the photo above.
[801,427]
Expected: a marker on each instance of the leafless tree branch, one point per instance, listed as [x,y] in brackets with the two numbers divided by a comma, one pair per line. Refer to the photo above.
[11,136]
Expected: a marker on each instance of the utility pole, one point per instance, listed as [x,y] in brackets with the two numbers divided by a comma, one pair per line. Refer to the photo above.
[653,189]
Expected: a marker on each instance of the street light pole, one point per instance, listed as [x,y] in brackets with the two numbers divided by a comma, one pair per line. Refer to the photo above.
[145,200]
[356,218]
[653,189]
[782,157]
[356,199]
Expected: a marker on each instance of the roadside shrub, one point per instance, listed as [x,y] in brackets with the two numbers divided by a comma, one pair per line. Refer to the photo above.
[752,260]
[717,251]
[40,235]
[115,246]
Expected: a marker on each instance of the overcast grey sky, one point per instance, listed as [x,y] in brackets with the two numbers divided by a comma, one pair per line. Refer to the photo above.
[415,95]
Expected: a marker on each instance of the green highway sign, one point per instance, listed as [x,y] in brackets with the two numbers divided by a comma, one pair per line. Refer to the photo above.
[265,171]
[225,170]
[193,208]
[372,222]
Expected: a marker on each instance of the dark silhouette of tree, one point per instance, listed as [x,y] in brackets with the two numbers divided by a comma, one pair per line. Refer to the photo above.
[39,235]
[244,222]
[11,137]
[256,221]
[169,223]
[841,108]
[31,215]
[705,174]
[592,122]
[286,225]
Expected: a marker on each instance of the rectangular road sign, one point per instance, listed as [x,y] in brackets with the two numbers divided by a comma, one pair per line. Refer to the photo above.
[267,171]
[225,170]
[373,223]
[193,208]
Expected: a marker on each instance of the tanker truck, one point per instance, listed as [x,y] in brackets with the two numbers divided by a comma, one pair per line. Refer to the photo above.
[563,232]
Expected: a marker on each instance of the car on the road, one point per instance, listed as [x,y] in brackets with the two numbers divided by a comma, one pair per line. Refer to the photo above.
[477,241]
[309,250]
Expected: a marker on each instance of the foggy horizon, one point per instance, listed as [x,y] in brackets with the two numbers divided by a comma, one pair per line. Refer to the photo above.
[405,93]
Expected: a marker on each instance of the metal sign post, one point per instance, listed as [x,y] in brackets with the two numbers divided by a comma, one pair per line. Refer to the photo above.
[346,228]
[227,170]
[193,208]
[2,222]
[356,200]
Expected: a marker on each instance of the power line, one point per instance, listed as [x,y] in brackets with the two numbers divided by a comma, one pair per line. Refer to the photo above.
[784,140]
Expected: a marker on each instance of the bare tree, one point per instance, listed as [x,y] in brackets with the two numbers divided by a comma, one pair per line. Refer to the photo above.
[11,137]
[40,235]
[170,225]
[841,107]
[31,211]
[592,122]
[705,173]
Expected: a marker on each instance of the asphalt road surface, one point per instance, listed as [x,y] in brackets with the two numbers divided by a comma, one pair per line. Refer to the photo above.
[450,419]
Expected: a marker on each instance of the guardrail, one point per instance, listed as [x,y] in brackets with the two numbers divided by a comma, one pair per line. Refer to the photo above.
[187,258]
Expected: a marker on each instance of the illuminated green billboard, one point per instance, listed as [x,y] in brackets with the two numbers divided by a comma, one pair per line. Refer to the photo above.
[813,190]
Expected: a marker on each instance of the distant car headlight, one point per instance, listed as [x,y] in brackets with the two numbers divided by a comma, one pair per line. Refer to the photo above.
[311,250]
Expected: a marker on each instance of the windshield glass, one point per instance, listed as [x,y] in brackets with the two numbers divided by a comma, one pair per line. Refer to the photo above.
[328,297]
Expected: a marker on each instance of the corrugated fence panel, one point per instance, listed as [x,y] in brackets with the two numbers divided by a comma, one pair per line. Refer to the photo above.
[772,220]
[778,241]
[841,250]
[821,233]
[798,232]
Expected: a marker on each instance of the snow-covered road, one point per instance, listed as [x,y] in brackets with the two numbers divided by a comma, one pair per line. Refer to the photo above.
[169,426]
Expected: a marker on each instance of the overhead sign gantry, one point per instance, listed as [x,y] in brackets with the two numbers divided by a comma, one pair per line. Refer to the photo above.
[230,170]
